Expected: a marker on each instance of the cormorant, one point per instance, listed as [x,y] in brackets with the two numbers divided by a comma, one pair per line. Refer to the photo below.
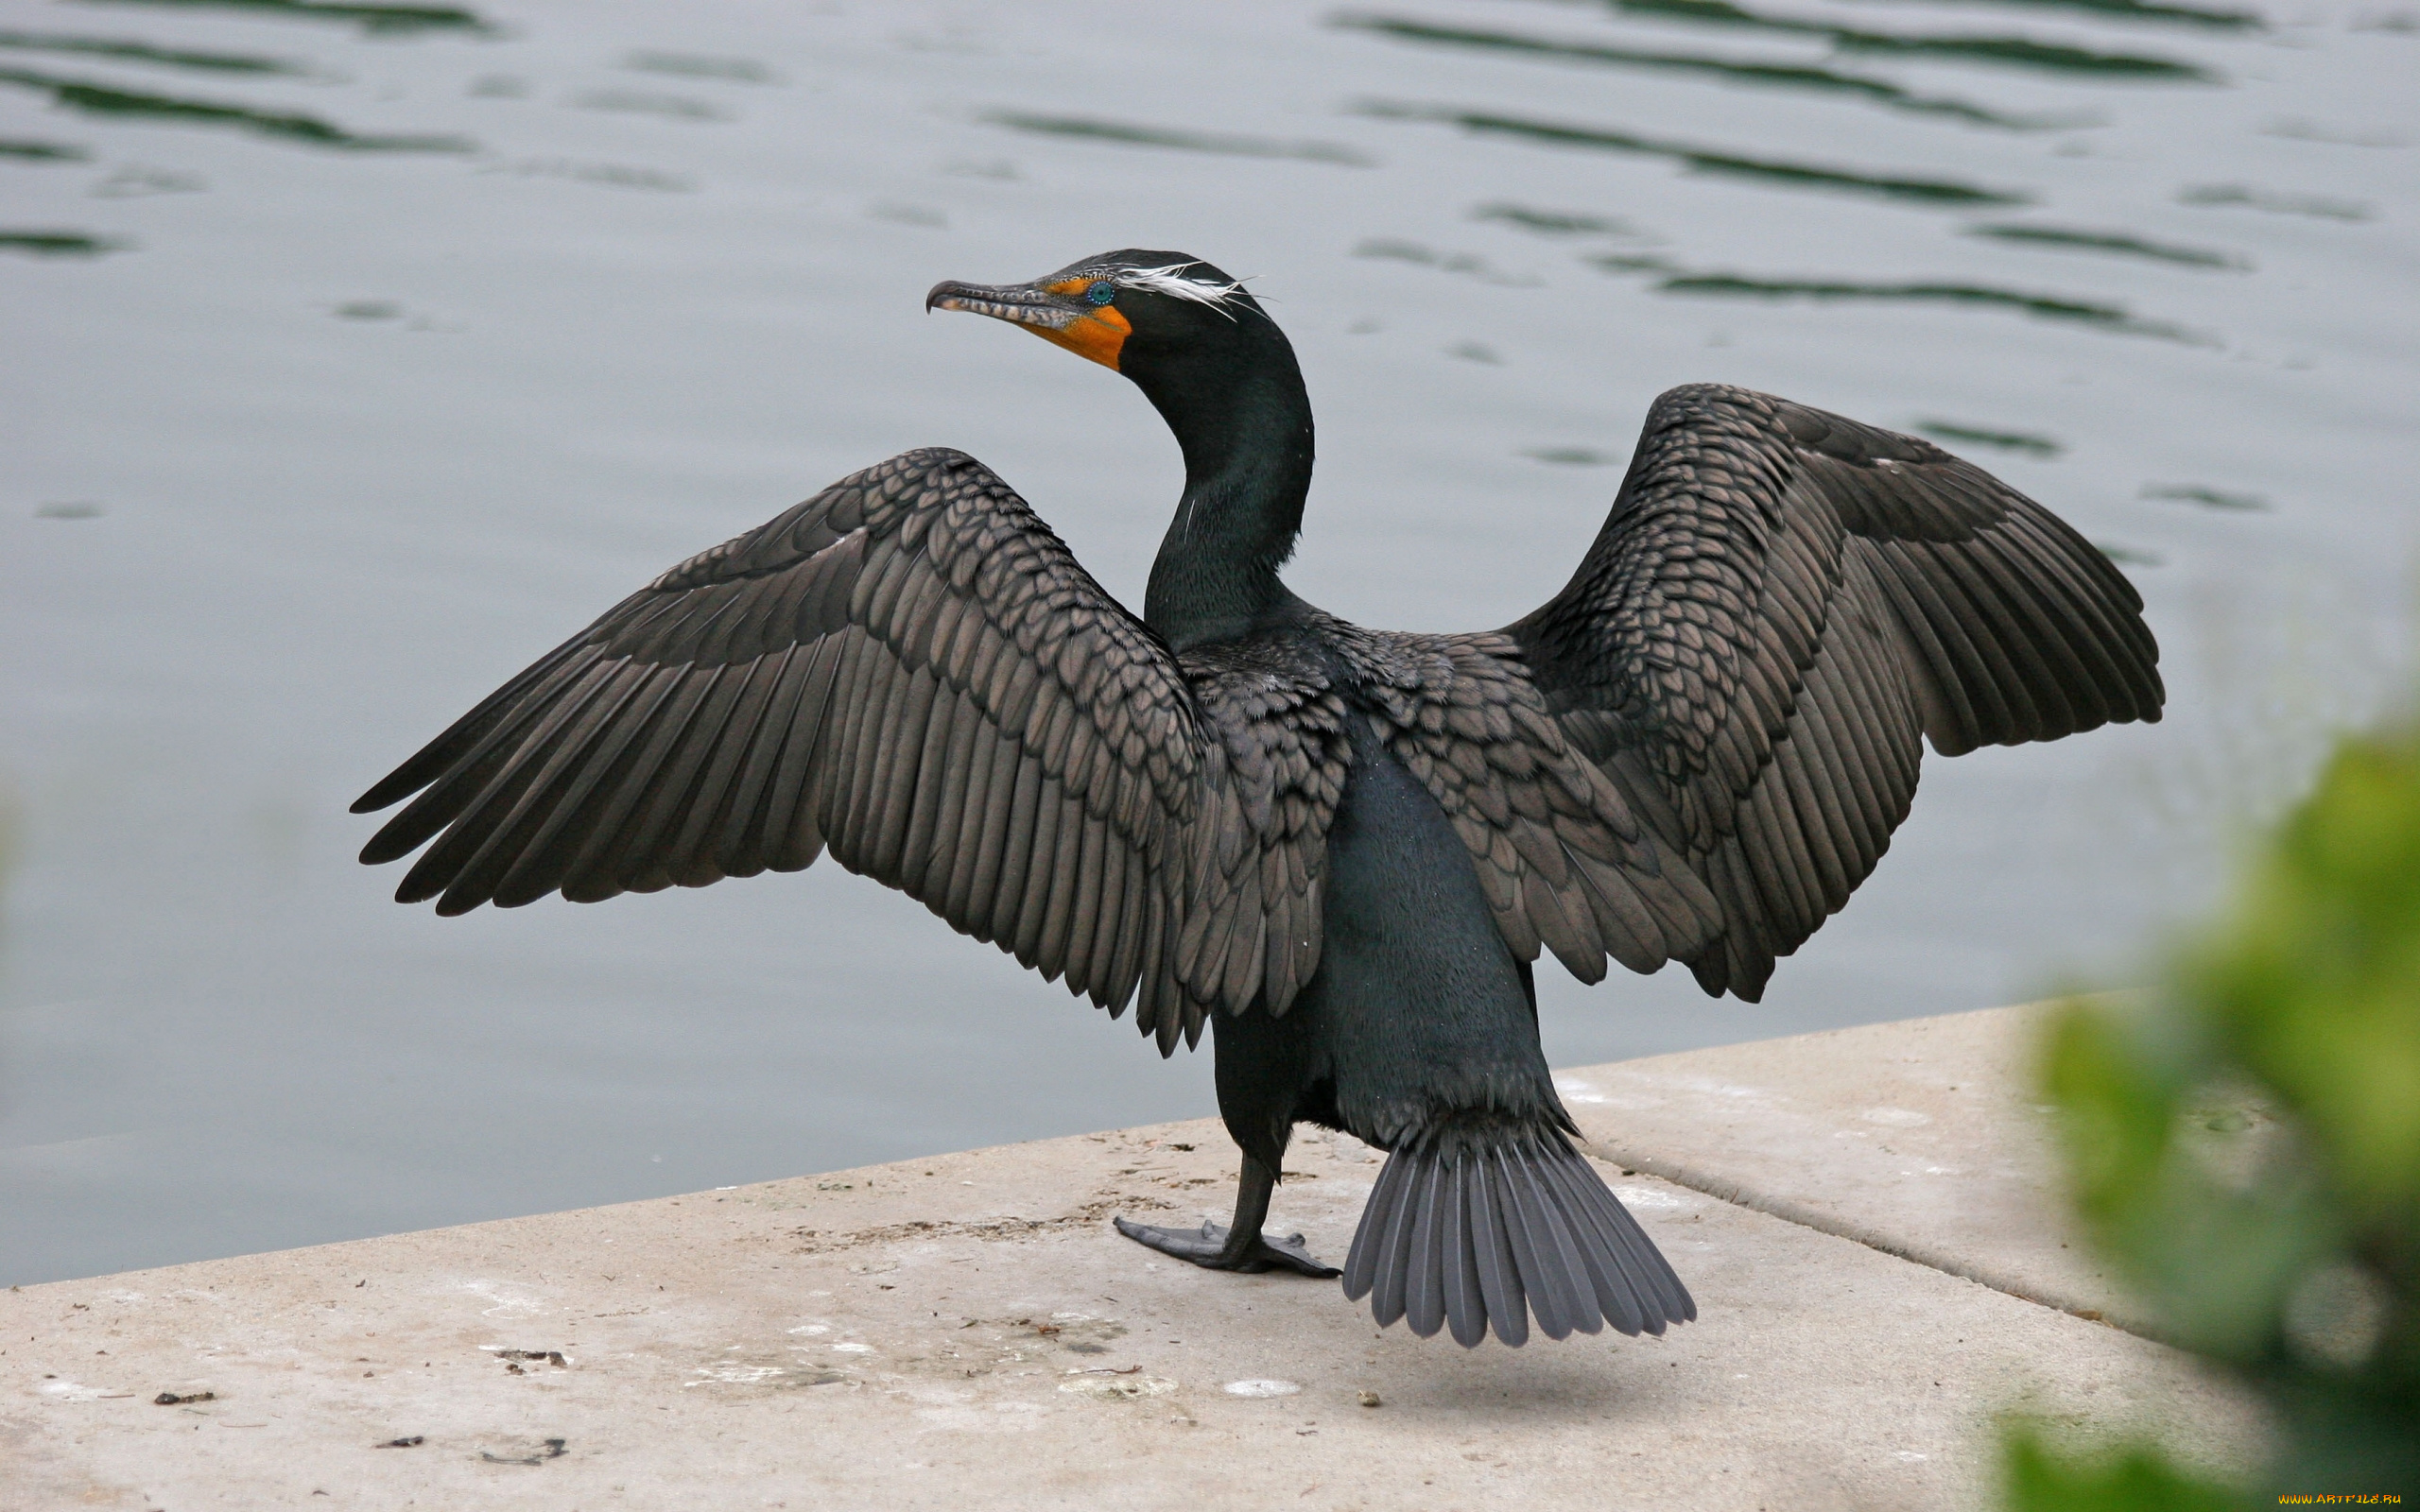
[1341,848]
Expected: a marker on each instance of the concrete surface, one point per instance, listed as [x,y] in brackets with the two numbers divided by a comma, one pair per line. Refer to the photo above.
[967,1331]
[1923,1139]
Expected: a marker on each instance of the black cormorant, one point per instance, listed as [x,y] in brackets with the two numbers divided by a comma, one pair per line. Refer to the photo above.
[1340,849]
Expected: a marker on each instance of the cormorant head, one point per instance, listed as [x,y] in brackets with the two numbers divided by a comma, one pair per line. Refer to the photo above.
[1159,318]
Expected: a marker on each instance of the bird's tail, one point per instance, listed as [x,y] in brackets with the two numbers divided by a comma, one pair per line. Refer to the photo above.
[1482,1229]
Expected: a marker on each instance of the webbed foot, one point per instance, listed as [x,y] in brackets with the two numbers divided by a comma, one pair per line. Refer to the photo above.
[1213,1246]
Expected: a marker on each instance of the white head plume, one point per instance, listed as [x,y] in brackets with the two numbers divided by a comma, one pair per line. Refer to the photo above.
[1173,281]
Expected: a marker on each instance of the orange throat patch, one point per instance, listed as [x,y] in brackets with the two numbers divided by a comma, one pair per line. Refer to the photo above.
[1099,335]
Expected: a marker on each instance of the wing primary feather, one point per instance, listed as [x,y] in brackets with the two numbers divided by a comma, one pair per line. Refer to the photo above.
[1771,852]
[1187,1027]
[1007,838]
[1847,704]
[2064,632]
[455,787]
[901,786]
[745,844]
[1156,993]
[676,788]
[982,827]
[445,753]
[544,775]
[733,745]
[925,851]
[587,820]
[439,868]
[570,809]
[1084,903]
[2024,654]
[1033,886]
[853,761]
[1796,764]
[873,750]
[791,798]
[826,797]
[1102,932]
[610,861]
[1990,670]
[1056,884]
[1952,716]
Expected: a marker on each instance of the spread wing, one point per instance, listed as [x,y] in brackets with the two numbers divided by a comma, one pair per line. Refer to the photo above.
[1780,604]
[911,670]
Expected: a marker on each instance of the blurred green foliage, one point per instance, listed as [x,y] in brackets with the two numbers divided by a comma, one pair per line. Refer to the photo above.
[2136,1480]
[2246,1148]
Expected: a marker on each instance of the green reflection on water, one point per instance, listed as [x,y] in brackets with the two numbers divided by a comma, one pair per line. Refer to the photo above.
[1554,222]
[121,51]
[370,17]
[688,66]
[2026,442]
[2022,52]
[1396,249]
[60,243]
[25,151]
[2320,206]
[612,175]
[2209,497]
[2111,317]
[1630,263]
[1124,134]
[1704,160]
[2137,10]
[638,102]
[2119,243]
[1780,76]
[95,99]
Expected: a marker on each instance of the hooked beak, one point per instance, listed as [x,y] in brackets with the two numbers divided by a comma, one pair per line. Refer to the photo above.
[1051,311]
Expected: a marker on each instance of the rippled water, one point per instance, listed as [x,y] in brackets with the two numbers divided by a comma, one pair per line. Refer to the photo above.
[359,353]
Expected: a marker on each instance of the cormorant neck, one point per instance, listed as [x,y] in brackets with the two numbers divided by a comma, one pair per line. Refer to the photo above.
[1245,433]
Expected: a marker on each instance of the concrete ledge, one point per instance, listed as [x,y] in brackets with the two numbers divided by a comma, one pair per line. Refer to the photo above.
[966,1332]
[1921,1139]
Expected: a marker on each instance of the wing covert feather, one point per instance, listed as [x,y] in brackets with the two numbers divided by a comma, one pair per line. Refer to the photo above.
[1563,857]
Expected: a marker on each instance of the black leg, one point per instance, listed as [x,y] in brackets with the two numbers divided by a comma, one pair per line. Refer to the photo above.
[1237,1247]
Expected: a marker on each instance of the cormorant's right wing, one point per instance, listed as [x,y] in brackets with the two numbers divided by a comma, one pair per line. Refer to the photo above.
[911,669]
[1780,604]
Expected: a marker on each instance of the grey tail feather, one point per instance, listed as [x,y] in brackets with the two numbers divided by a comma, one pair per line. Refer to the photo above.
[1481,1230]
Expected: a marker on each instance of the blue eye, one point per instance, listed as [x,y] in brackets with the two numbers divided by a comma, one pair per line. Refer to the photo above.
[1101,292]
